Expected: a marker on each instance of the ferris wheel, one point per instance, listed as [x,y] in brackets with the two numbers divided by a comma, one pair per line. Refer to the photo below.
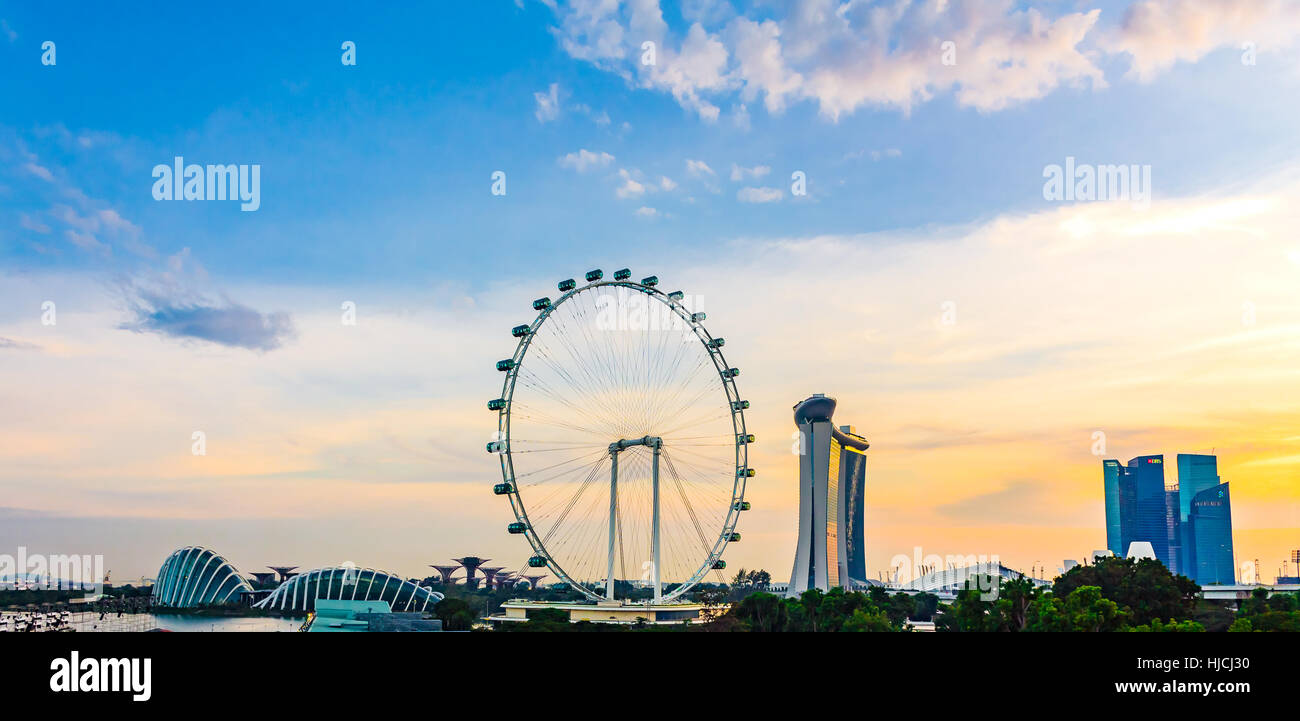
[621,438]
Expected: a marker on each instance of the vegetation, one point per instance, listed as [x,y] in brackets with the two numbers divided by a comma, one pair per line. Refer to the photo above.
[1280,612]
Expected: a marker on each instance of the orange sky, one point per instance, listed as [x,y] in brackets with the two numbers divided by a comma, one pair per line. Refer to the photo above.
[1171,329]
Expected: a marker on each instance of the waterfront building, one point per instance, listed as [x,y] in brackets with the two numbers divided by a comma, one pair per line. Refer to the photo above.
[831,548]
[197,576]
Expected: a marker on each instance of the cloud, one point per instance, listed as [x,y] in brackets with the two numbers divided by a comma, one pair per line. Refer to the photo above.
[841,56]
[87,242]
[759,195]
[600,118]
[584,160]
[228,324]
[760,65]
[646,212]
[738,173]
[11,344]
[697,168]
[39,171]
[30,223]
[1157,34]
[548,104]
[666,183]
[172,303]
[740,117]
[8,31]
[630,187]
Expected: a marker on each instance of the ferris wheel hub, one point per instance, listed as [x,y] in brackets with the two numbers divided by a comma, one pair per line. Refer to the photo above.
[648,441]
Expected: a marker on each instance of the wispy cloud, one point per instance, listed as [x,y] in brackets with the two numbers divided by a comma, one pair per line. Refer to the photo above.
[228,323]
[11,344]
[839,58]
[698,168]
[759,195]
[548,104]
[739,173]
[583,160]
[1157,34]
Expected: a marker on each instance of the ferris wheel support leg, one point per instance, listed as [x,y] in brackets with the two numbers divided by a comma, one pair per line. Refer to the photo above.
[654,567]
[613,507]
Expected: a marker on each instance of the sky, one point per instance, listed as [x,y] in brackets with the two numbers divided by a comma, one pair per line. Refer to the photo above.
[855,190]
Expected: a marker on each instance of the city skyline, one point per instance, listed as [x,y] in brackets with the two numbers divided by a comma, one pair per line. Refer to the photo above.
[983,334]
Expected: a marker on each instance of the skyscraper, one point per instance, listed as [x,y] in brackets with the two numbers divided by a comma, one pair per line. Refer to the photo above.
[831,549]
[1137,506]
[1197,473]
[1189,525]
[1116,521]
[1208,548]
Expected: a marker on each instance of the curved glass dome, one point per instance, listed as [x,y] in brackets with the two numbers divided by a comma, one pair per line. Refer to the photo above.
[197,576]
[349,583]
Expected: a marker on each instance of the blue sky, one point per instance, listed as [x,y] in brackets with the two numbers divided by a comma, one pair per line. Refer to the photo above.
[383,168]
[376,183]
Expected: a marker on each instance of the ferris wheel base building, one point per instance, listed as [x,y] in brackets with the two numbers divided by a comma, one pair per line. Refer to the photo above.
[832,482]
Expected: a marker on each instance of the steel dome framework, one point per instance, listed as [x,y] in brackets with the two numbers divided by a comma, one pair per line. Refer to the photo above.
[349,583]
[618,381]
[197,576]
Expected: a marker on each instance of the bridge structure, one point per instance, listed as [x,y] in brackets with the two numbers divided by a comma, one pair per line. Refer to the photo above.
[1243,591]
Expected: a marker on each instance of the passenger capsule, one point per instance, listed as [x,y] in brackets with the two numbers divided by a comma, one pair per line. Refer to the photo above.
[698,317]
[731,373]
[717,342]
[719,564]
[746,473]
[595,275]
[502,489]
[536,561]
[568,285]
[623,274]
[505,365]
[745,438]
[517,527]
[541,304]
[741,505]
[519,331]
[733,538]
[496,446]
[496,404]
[739,405]
[650,281]
[676,295]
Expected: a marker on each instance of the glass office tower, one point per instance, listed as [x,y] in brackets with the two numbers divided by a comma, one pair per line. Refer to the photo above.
[1148,474]
[1136,506]
[831,550]
[1196,473]
[1111,473]
[1173,531]
[1210,530]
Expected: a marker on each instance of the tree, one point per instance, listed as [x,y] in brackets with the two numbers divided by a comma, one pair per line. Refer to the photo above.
[714,600]
[1144,587]
[926,604]
[1172,627]
[763,612]
[862,620]
[455,614]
